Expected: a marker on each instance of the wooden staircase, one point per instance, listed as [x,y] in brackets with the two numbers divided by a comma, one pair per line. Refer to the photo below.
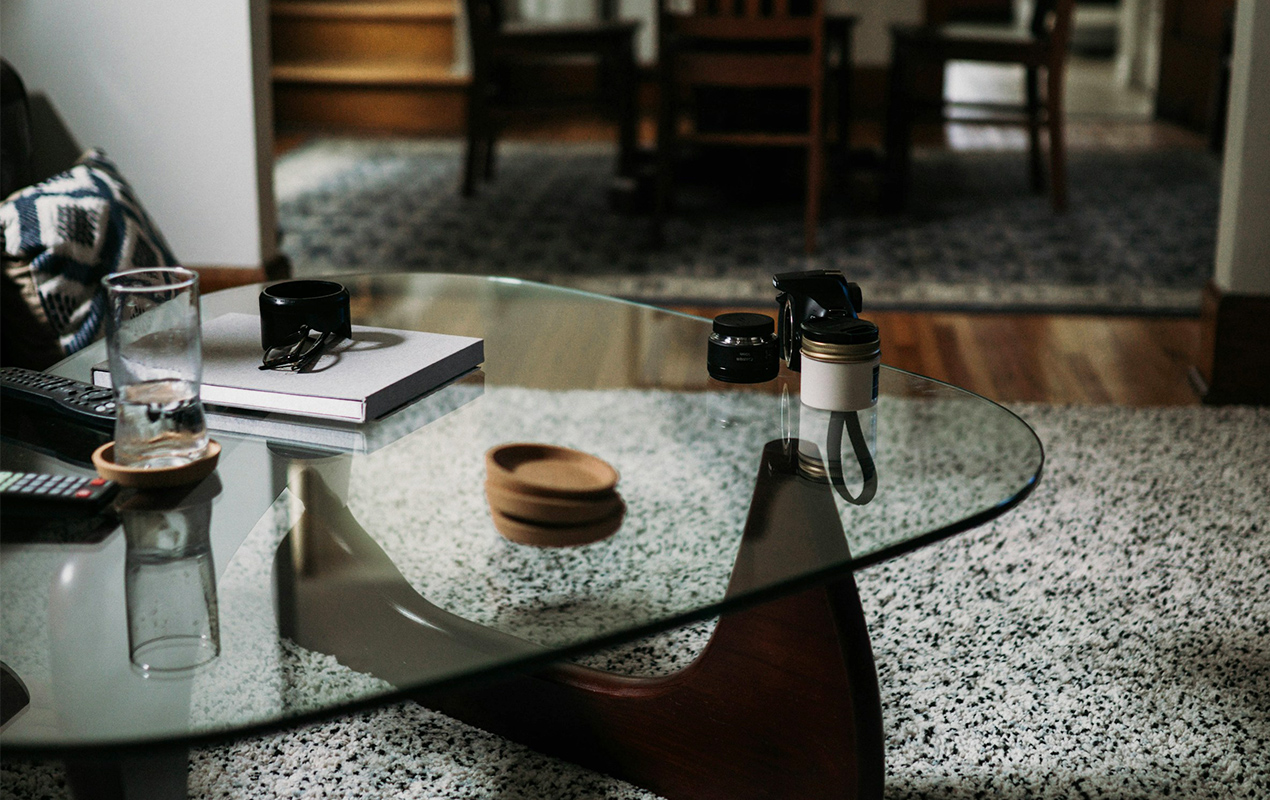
[366,66]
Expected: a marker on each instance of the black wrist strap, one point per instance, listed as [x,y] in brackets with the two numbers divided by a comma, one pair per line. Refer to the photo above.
[850,420]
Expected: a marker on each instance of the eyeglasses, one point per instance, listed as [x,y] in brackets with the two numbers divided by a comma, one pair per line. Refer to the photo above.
[303,353]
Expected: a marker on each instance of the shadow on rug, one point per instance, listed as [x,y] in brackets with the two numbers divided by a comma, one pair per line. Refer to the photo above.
[1139,238]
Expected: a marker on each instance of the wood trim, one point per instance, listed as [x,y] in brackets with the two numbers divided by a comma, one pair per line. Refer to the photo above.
[213,279]
[368,73]
[744,70]
[1233,366]
[352,41]
[381,109]
[746,139]
[365,10]
[749,29]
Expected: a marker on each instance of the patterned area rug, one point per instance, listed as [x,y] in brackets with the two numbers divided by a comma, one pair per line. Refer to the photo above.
[1140,236]
[1108,639]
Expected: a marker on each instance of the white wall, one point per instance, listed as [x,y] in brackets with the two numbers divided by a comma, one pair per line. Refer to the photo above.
[873,30]
[1243,232]
[166,88]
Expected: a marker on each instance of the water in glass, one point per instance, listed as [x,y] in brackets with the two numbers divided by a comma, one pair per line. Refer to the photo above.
[160,424]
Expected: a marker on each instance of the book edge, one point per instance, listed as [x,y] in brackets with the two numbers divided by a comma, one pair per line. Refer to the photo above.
[436,374]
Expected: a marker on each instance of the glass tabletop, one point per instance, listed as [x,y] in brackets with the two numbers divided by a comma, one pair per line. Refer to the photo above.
[352,564]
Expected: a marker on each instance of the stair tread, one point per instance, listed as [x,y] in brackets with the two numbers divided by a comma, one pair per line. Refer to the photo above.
[374,73]
[365,9]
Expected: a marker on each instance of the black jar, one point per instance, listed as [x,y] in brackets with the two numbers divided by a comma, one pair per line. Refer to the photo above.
[287,307]
[743,348]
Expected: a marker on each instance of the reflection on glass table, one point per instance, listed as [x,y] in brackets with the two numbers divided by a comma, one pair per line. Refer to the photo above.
[354,565]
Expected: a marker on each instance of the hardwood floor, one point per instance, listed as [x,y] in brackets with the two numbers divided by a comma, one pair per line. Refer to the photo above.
[1044,358]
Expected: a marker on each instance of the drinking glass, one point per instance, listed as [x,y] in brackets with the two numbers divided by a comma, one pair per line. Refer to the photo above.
[170,585]
[154,343]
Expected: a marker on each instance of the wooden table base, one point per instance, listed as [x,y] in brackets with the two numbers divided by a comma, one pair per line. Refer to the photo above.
[778,705]
[782,702]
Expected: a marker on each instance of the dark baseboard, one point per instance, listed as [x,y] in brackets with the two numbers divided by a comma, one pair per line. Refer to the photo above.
[1234,362]
[213,279]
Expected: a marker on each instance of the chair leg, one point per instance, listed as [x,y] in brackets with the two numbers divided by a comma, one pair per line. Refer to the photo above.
[1058,142]
[815,189]
[627,104]
[898,135]
[815,169]
[488,167]
[471,154]
[477,133]
[664,189]
[1034,129]
[667,120]
[842,85]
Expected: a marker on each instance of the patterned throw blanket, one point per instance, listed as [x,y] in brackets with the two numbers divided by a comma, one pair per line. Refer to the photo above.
[62,236]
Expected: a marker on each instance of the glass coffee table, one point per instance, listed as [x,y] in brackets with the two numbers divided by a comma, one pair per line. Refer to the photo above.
[342,567]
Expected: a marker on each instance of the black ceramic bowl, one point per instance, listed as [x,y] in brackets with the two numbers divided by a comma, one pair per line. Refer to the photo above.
[287,307]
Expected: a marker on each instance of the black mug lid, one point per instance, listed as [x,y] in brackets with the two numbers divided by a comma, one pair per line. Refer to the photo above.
[287,307]
[290,292]
[744,324]
[839,329]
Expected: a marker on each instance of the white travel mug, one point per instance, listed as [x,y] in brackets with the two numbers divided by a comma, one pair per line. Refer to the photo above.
[841,359]
[841,363]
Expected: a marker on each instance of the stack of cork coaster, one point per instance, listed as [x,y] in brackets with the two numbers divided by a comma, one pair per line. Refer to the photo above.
[551,496]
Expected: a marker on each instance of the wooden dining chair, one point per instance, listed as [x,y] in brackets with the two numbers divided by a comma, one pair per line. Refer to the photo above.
[732,48]
[507,54]
[1040,46]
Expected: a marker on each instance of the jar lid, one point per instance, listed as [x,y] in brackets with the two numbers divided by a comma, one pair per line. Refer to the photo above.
[839,329]
[744,325]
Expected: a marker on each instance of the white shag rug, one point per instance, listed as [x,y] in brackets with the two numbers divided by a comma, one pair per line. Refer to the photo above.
[1109,639]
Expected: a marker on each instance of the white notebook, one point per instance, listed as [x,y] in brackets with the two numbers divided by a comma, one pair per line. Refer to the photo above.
[362,379]
[346,436]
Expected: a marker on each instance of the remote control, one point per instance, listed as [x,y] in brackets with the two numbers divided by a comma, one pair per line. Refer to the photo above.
[87,404]
[21,491]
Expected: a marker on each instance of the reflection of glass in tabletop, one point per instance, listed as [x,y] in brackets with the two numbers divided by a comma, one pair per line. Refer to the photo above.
[406,507]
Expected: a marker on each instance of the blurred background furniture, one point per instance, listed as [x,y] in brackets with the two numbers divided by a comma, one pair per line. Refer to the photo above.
[512,75]
[1040,45]
[750,73]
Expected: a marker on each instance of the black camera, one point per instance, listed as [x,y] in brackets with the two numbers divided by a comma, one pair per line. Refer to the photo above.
[808,295]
